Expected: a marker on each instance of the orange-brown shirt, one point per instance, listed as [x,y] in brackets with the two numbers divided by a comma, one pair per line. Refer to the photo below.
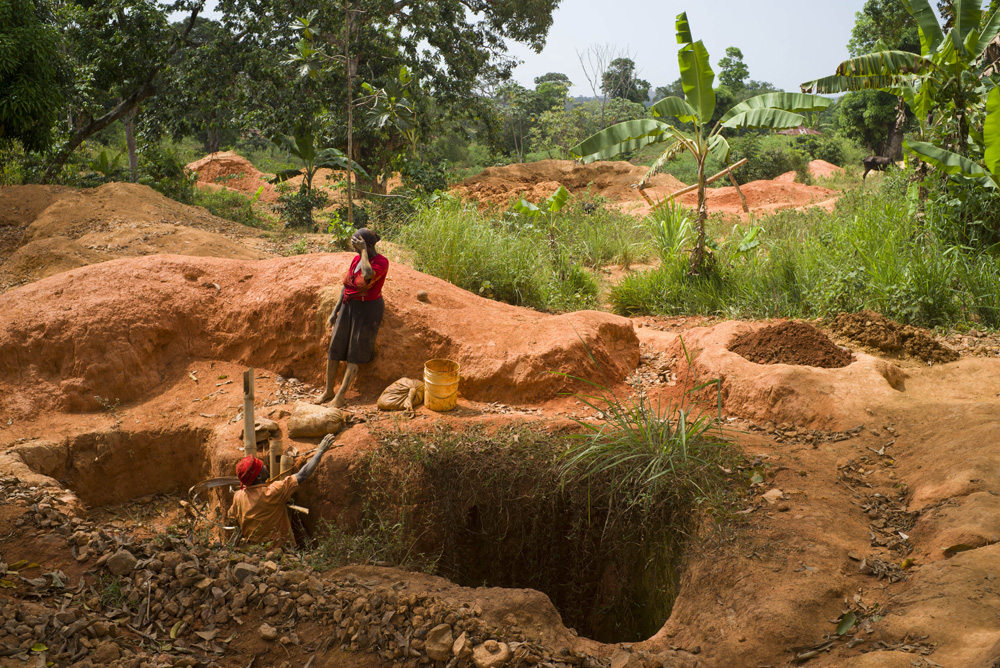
[260,511]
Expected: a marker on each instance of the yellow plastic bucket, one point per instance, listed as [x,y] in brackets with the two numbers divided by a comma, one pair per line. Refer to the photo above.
[440,384]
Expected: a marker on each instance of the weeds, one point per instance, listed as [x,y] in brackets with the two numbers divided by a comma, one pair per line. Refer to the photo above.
[231,205]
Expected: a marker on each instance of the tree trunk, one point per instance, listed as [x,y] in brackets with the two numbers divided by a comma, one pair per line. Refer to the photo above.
[213,138]
[350,110]
[133,158]
[698,254]
[894,145]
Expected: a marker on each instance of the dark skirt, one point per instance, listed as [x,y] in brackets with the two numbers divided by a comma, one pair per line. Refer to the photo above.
[353,339]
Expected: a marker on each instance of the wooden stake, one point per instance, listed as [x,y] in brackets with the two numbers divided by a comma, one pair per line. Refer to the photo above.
[715,177]
[249,438]
[274,454]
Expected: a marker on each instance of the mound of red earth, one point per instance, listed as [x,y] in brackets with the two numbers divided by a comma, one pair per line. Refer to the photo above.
[45,230]
[231,170]
[114,329]
[764,196]
[791,342]
[537,180]
[818,169]
[888,336]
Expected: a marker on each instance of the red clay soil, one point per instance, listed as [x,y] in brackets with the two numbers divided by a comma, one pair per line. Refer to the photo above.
[54,229]
[537,180]
[233,171]
[763,196]
[818,169]
[791,342]
[892,338]
[62,341]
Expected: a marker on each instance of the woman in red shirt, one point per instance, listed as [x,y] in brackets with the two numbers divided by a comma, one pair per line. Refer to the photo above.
[357,316]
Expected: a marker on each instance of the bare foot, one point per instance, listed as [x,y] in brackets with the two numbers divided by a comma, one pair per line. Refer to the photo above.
[323,399]
[340,403]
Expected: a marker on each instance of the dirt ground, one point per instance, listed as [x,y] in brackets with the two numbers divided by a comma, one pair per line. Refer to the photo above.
[868,539]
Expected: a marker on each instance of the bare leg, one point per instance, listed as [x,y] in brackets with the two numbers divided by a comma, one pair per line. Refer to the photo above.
[350,372]
[331,377]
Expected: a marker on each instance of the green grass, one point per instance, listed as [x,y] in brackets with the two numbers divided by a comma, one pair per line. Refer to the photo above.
[231,205]
[512,261]
[869,253]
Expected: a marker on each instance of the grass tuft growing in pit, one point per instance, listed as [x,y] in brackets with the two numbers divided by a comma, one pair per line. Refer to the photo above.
[599,522]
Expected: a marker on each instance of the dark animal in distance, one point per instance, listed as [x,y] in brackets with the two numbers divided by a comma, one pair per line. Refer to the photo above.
[876,163]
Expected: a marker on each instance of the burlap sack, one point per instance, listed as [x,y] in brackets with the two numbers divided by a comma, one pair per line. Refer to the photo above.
[309,420]
[405,394]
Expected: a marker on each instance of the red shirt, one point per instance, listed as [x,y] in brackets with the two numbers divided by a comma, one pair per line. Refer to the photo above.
[355,287]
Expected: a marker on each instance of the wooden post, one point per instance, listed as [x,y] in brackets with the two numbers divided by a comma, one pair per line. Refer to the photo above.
[274,454]
[249,437]
[714,177]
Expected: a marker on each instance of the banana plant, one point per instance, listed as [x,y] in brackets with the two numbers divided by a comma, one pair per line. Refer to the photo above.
[960,167]
[776,111]
[303,147]
[942,76]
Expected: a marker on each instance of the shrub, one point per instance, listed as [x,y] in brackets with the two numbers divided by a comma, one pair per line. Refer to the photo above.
[162,170]
[231,205]
[296,208]
[12,162]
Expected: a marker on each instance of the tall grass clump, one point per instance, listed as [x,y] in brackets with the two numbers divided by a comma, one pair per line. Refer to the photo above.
[230,205]
[869,253]
[497,507]
[507,262]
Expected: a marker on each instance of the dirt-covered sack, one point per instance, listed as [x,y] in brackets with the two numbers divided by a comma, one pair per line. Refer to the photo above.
[405,394]
[309,421]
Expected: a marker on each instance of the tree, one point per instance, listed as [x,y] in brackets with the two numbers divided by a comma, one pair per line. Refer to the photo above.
[866,116]
[619,80]
[118,48]
[772,111]
[885,21]
[596,62]
[940,83]
[551,91]
[674,89]
[32,72]
[732,70]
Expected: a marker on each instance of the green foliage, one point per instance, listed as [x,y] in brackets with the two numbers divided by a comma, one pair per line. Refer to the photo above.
[671,229]
[619,81]
[498,508]
[733,72]
[12,162]
[162,170]
[33,72]
[868,254]
[295,208]
[231,205]
[375,540]
[512,262]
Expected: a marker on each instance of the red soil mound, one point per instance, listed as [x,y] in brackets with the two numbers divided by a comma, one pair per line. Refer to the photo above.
[62,341]
[888,336]
[538,180]
[57,229]
[818,169]
[791,343]
[762,196]
[233,171]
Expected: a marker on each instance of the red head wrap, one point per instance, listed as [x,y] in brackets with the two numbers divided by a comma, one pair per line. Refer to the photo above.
[248,469]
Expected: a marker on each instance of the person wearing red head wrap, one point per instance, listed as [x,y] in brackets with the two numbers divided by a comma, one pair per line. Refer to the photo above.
[259,507]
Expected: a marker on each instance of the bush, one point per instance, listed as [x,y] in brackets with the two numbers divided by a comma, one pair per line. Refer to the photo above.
[766,157]
[162,170]
[512,262]
[230,205]
[296,208]
[12,162]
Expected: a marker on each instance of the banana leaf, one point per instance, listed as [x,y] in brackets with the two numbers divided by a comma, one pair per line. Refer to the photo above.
[845,84]
[989,31]
[625,136]
[884,63]
[950,163]
[968,15]
[676,107]
[683,29]
[794,102]
[697,78]
[991,132]
[930,31]
[772,119]
[286,174]
[718,147]
[333,158]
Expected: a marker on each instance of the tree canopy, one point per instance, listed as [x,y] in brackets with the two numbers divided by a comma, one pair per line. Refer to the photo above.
[619,81]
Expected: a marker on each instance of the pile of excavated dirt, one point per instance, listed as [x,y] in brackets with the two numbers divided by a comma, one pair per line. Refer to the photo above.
[230,170]
[791,343]
[537,180]
[764,196]
[818,169]
[62,341]
[57,229]
[890,337]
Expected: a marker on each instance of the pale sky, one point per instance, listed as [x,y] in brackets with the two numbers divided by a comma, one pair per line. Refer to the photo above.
[784,42]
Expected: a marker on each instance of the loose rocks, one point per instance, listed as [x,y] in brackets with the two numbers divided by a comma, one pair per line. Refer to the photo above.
[121,562]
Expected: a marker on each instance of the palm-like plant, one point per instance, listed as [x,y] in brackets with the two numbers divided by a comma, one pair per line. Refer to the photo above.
[944,76]
[303,147]
[772,111]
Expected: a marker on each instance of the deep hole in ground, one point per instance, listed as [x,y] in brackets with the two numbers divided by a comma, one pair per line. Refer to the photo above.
[491,509]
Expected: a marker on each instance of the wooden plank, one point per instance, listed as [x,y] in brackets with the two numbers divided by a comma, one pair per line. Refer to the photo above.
[249,438]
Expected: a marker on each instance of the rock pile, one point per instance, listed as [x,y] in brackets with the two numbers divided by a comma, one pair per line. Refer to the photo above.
[190,599]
